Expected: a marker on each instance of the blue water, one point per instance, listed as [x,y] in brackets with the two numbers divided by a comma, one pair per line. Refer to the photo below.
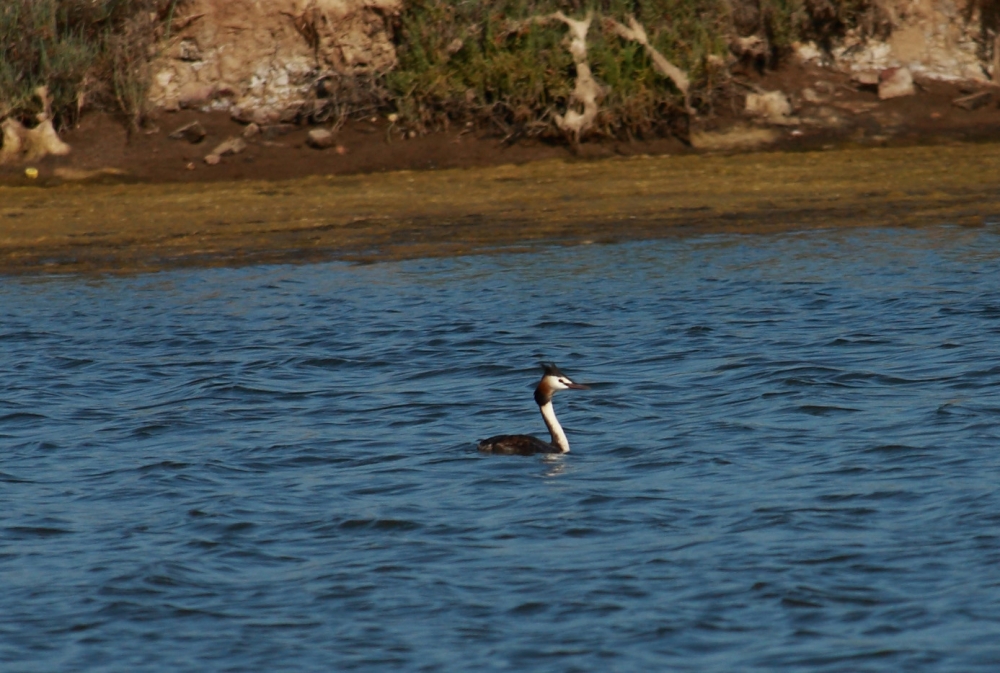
[789,461]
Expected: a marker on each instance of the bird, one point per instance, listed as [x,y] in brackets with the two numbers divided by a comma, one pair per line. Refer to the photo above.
[552,381]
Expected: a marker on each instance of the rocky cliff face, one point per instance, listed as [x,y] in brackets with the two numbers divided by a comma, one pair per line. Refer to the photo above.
[932,38]
[262,58]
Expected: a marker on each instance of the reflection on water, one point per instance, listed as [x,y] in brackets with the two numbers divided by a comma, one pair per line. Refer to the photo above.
[788,461]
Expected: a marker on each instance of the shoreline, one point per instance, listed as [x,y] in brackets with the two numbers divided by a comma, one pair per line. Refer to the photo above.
[116,227]
[852,116]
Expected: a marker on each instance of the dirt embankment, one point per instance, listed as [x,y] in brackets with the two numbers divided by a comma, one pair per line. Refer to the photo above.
[834,112]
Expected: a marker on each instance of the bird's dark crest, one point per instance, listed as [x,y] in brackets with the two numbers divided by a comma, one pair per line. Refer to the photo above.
[550,369]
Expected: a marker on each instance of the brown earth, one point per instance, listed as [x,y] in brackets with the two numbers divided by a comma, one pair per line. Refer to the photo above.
[851,116]
[101,142]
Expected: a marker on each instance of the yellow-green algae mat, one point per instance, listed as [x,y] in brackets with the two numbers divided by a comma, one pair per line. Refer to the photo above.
[101,228]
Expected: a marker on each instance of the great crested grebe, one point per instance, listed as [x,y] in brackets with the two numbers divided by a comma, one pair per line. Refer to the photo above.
[526,445]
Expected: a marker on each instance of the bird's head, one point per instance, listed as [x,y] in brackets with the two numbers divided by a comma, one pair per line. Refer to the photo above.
[552,381]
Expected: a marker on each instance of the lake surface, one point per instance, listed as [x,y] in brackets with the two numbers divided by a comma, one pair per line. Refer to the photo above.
[789,461]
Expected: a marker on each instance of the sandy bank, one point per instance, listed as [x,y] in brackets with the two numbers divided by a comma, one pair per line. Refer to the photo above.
[126,228]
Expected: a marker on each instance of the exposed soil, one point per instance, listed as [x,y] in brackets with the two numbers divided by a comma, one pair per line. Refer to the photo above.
[282,153]
[848,116]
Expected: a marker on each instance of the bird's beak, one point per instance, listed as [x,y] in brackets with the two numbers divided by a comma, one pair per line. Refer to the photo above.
[577,386]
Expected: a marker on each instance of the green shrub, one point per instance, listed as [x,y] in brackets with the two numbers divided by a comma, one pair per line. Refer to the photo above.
[490,60]
[83,50]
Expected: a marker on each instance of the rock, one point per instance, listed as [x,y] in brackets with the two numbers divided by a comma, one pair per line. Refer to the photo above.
[251,131]
[194,95]
[231,145]
[808,52]
[320,139]
[750,48]
[188,50]
[24,144]
[246,114]
[937,40]
[241,114]
[81,174]
[291,113]
[736,138]
[772,106]
[809,95]
[43,140]
[866,78]
[268,53]
[895,82]
[768,104]
[13,141]
[973,101]
[194,133]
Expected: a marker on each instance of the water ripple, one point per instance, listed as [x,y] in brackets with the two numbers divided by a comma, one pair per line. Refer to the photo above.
[786,461]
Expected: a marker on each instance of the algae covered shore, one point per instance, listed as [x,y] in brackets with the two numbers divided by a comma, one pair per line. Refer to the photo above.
[128,228]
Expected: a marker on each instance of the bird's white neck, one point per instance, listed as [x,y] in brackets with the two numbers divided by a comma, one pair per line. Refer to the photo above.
[558,436]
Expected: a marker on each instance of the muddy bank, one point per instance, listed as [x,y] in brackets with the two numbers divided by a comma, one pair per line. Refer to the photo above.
[115,228]
[827,110]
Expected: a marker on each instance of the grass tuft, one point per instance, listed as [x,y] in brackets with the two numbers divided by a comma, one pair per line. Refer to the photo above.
[86,52]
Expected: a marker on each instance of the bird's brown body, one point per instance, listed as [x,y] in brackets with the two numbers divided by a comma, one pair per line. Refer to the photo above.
[517,445]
